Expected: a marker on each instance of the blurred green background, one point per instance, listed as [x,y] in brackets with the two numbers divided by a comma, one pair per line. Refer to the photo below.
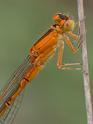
[56,97]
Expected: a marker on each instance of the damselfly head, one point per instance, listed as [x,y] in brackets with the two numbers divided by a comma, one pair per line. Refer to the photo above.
[68,25]
[64,21]
[60,17]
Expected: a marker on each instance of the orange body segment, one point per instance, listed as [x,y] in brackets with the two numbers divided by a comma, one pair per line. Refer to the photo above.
[48,42]
[29,76]
[45,49]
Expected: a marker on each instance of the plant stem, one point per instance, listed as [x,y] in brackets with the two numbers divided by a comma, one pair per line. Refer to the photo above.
[85,69]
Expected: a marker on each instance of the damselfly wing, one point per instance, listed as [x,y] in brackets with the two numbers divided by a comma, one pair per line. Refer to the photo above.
[10,89]
[11,112]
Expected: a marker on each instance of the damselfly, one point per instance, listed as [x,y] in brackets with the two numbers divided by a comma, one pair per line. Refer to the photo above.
[40,52]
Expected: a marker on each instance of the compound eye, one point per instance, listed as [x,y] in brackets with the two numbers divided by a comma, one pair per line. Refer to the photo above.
[56,18]
[63,17]
[69,25]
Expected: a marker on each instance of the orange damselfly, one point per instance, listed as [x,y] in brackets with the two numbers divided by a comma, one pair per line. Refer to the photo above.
[40,52]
